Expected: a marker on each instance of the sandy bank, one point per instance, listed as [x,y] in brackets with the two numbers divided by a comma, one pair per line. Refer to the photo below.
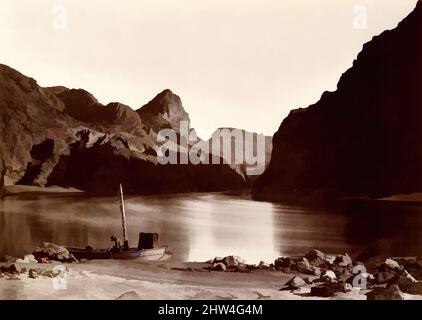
[20,189]
[154,280]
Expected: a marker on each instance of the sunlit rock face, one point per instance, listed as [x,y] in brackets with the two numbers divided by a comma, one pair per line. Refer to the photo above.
[363,139]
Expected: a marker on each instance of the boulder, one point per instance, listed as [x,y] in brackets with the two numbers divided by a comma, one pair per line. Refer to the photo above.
[392,264]
[325,290]
[233,261]
[283,263]
[52,251]
[330,258]
[316,258]
[385,277]
[217,259]
[343,260]
[303,266]
[294,283]
[328,276]
[391,292]
[390,272]
[343,274]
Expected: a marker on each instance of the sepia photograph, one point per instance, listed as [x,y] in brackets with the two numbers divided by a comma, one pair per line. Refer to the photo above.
[231,152]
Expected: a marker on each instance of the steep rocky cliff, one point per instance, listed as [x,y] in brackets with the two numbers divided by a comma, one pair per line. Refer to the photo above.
[364,139]
[65,137]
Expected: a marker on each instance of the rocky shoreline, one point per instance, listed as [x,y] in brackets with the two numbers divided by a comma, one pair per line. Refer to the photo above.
[314,275]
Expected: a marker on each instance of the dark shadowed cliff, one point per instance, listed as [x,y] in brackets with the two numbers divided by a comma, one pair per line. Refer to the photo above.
[1,178]
[363,139]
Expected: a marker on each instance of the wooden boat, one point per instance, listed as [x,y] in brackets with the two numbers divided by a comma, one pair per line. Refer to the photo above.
[122,252]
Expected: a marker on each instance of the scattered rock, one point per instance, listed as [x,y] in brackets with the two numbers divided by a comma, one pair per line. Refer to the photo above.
[392,292]
[53,252]
[233,261]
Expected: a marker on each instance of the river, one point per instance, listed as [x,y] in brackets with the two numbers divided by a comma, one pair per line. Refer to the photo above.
[198,227]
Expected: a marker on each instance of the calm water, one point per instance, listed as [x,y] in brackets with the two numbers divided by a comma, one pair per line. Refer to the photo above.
[198,227]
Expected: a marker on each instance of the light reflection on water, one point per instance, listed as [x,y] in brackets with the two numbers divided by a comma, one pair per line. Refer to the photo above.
[197,227]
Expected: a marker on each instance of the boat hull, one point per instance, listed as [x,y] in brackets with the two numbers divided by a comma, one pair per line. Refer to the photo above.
[155,254]
[89,254]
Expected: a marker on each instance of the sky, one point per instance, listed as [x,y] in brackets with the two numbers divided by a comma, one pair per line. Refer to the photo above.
[234,63]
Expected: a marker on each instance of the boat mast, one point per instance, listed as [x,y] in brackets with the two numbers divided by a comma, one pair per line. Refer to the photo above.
[122,208]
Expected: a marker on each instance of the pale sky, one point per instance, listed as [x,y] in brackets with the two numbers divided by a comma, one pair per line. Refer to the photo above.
[237,63]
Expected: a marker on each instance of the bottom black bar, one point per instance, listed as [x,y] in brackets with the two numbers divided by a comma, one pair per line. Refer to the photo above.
[210,309]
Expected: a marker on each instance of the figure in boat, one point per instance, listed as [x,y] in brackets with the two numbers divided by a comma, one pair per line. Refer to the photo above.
[147,249]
